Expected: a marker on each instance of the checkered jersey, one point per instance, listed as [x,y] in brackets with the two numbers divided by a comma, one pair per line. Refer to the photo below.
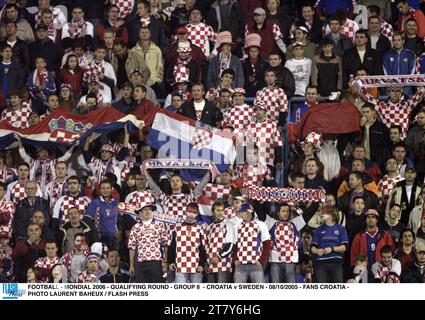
[239,117]
[387,30]
[266,137]
[176,204]
[16,192]
[46,263]
[188,242]
[216,191]
[229,213]
[53,191]
[215,240]
[386,185]
[249,246]
[148,240]
[85,277]
[125,6]
[137,198]
[284,240]
[275,99]
[252,175]
[7,211]
[7,175]
[200,35]
[64,203]
[396,113]
[17,118]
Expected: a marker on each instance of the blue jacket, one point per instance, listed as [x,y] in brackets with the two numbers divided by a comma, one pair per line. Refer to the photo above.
[107,215]
[422,64]
[395,63]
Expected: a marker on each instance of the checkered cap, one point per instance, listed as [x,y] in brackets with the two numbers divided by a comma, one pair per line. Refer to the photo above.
[239,90]
[182,74]
[184,46]
[108,148]
[260,105]
[315,139]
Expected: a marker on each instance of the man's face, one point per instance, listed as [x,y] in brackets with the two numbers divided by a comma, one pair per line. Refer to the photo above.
[359,153]
[34,232]
[113,259]
[74,215]
[141,10]
[43,154]
[11,13]
[298,183]
[41,34]
[394,135]
[34,119]
[238,99]
[53,102]
[197,92]
[308,149]
[311,167]
[361,39]
[358,165]
[284,213]
[127,92]
[259,18]
[300,35]
[392,165]
[386,258]
[106,155]
[360,74]
[307,13]
[398,42]
[184,55]
[176,183]
[251,155]
[358,205]
[227,80]
[306,239]
[138,94]
[327,49]
[353,181]
[11,29]
[410,176]
[146,213]
[40,64]
[260,113]
[140,181]
[79,51]
[371,221]
[420,258]
[411,27]
[73,186]
[61,170]
[374,25]
[195,16]
[407,238]
[80,243]
[136,78]
[47,19]
[51,250]
[403,7]
[38,218]
[119,50]
[77,14]
[226,177]
[420,118]
[23,172]
[334,25]
[368,114]
[191,216]
[109,38]
[113,13]
[31,189]
[225,98]
[275,60]
[105,190]
[218,213]
[146,152]
[7,53]
[395,212]
[100,54]
[298,52]
[254,52]
[226,49]
[176,102]
[399,153]
[92,266]
[270,78]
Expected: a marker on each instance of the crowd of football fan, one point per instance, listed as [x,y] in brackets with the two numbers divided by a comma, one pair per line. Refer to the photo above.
[89,214]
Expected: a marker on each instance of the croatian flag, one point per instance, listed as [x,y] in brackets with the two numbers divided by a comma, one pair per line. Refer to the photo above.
[178,137]
[62,127]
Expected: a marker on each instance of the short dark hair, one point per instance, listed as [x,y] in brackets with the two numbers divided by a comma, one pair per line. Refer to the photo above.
[224,90]
[407,230]
[400,144]
[386,249]
[106,181]
[91,95]
[74,178]
[362,31]
[50,241]
[362,68]
[11,5]
[3,185]
[216,204]
[358,197]
[369,106]
[100,46]
[228,71]
[374,9]
[23,164]
[334,18]
[141,86]
[358,174]
[395,126]
[296,175]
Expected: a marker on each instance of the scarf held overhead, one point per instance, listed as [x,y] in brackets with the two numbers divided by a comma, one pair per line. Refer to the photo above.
[178,164]
[273,194]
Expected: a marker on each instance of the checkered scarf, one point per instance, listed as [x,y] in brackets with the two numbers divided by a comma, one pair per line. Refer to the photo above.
[94,69]
[273,194]
[40,77]
[77,29]
[43,172]
[101,168]
[390,81]
[224,62]
[178,164]
[6,175]
[145,22]
[125,6]
[180,63]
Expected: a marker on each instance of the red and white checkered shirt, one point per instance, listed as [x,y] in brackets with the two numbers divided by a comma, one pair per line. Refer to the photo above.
[44,265]
[147,239]
[215,240]
[16,192]
[18,118]
[386,185]
[7,175]
[252,175]
[175,204]
[239,117]
[125,6]
[64,203]
[284,241]
[275,100]
[396,113]
[200,35]
[349,29]
[94,69]
[188,243]
[387,30]
[53,191]
[266,137]
[7,210]
[250,241]
[86,277]
[229,213]
[137,198]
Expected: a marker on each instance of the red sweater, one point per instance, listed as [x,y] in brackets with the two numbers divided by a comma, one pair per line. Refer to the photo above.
[359,245]
[120,33]
[75,80]
[145,111]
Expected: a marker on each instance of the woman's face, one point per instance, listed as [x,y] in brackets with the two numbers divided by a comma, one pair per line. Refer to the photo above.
[131,182]
[57,273]
[72,62]
[65,93]
[272,5]
[308,149]
[31,275]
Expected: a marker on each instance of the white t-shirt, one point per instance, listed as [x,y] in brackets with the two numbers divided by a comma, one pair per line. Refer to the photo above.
[301,69]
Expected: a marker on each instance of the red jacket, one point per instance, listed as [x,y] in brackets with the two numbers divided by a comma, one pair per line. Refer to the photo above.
[196,54]
[418,16]
[146,111]
[268,43]
[359,245]
[120,33]
[75,80]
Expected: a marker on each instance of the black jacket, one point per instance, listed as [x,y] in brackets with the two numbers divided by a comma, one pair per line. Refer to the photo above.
[252,87]
[119,277]
[88,232]
[351,62]
[370,199]
[315,33]
[379,139]
[156,28]
[211,115]
[413,274]
[382,46]
[14,76]
[235,23]
[50,51]
[285,80]
[23,215]
[21,53]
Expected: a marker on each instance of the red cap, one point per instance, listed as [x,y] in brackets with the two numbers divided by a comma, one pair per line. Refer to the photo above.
[372,212]
[181,30]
